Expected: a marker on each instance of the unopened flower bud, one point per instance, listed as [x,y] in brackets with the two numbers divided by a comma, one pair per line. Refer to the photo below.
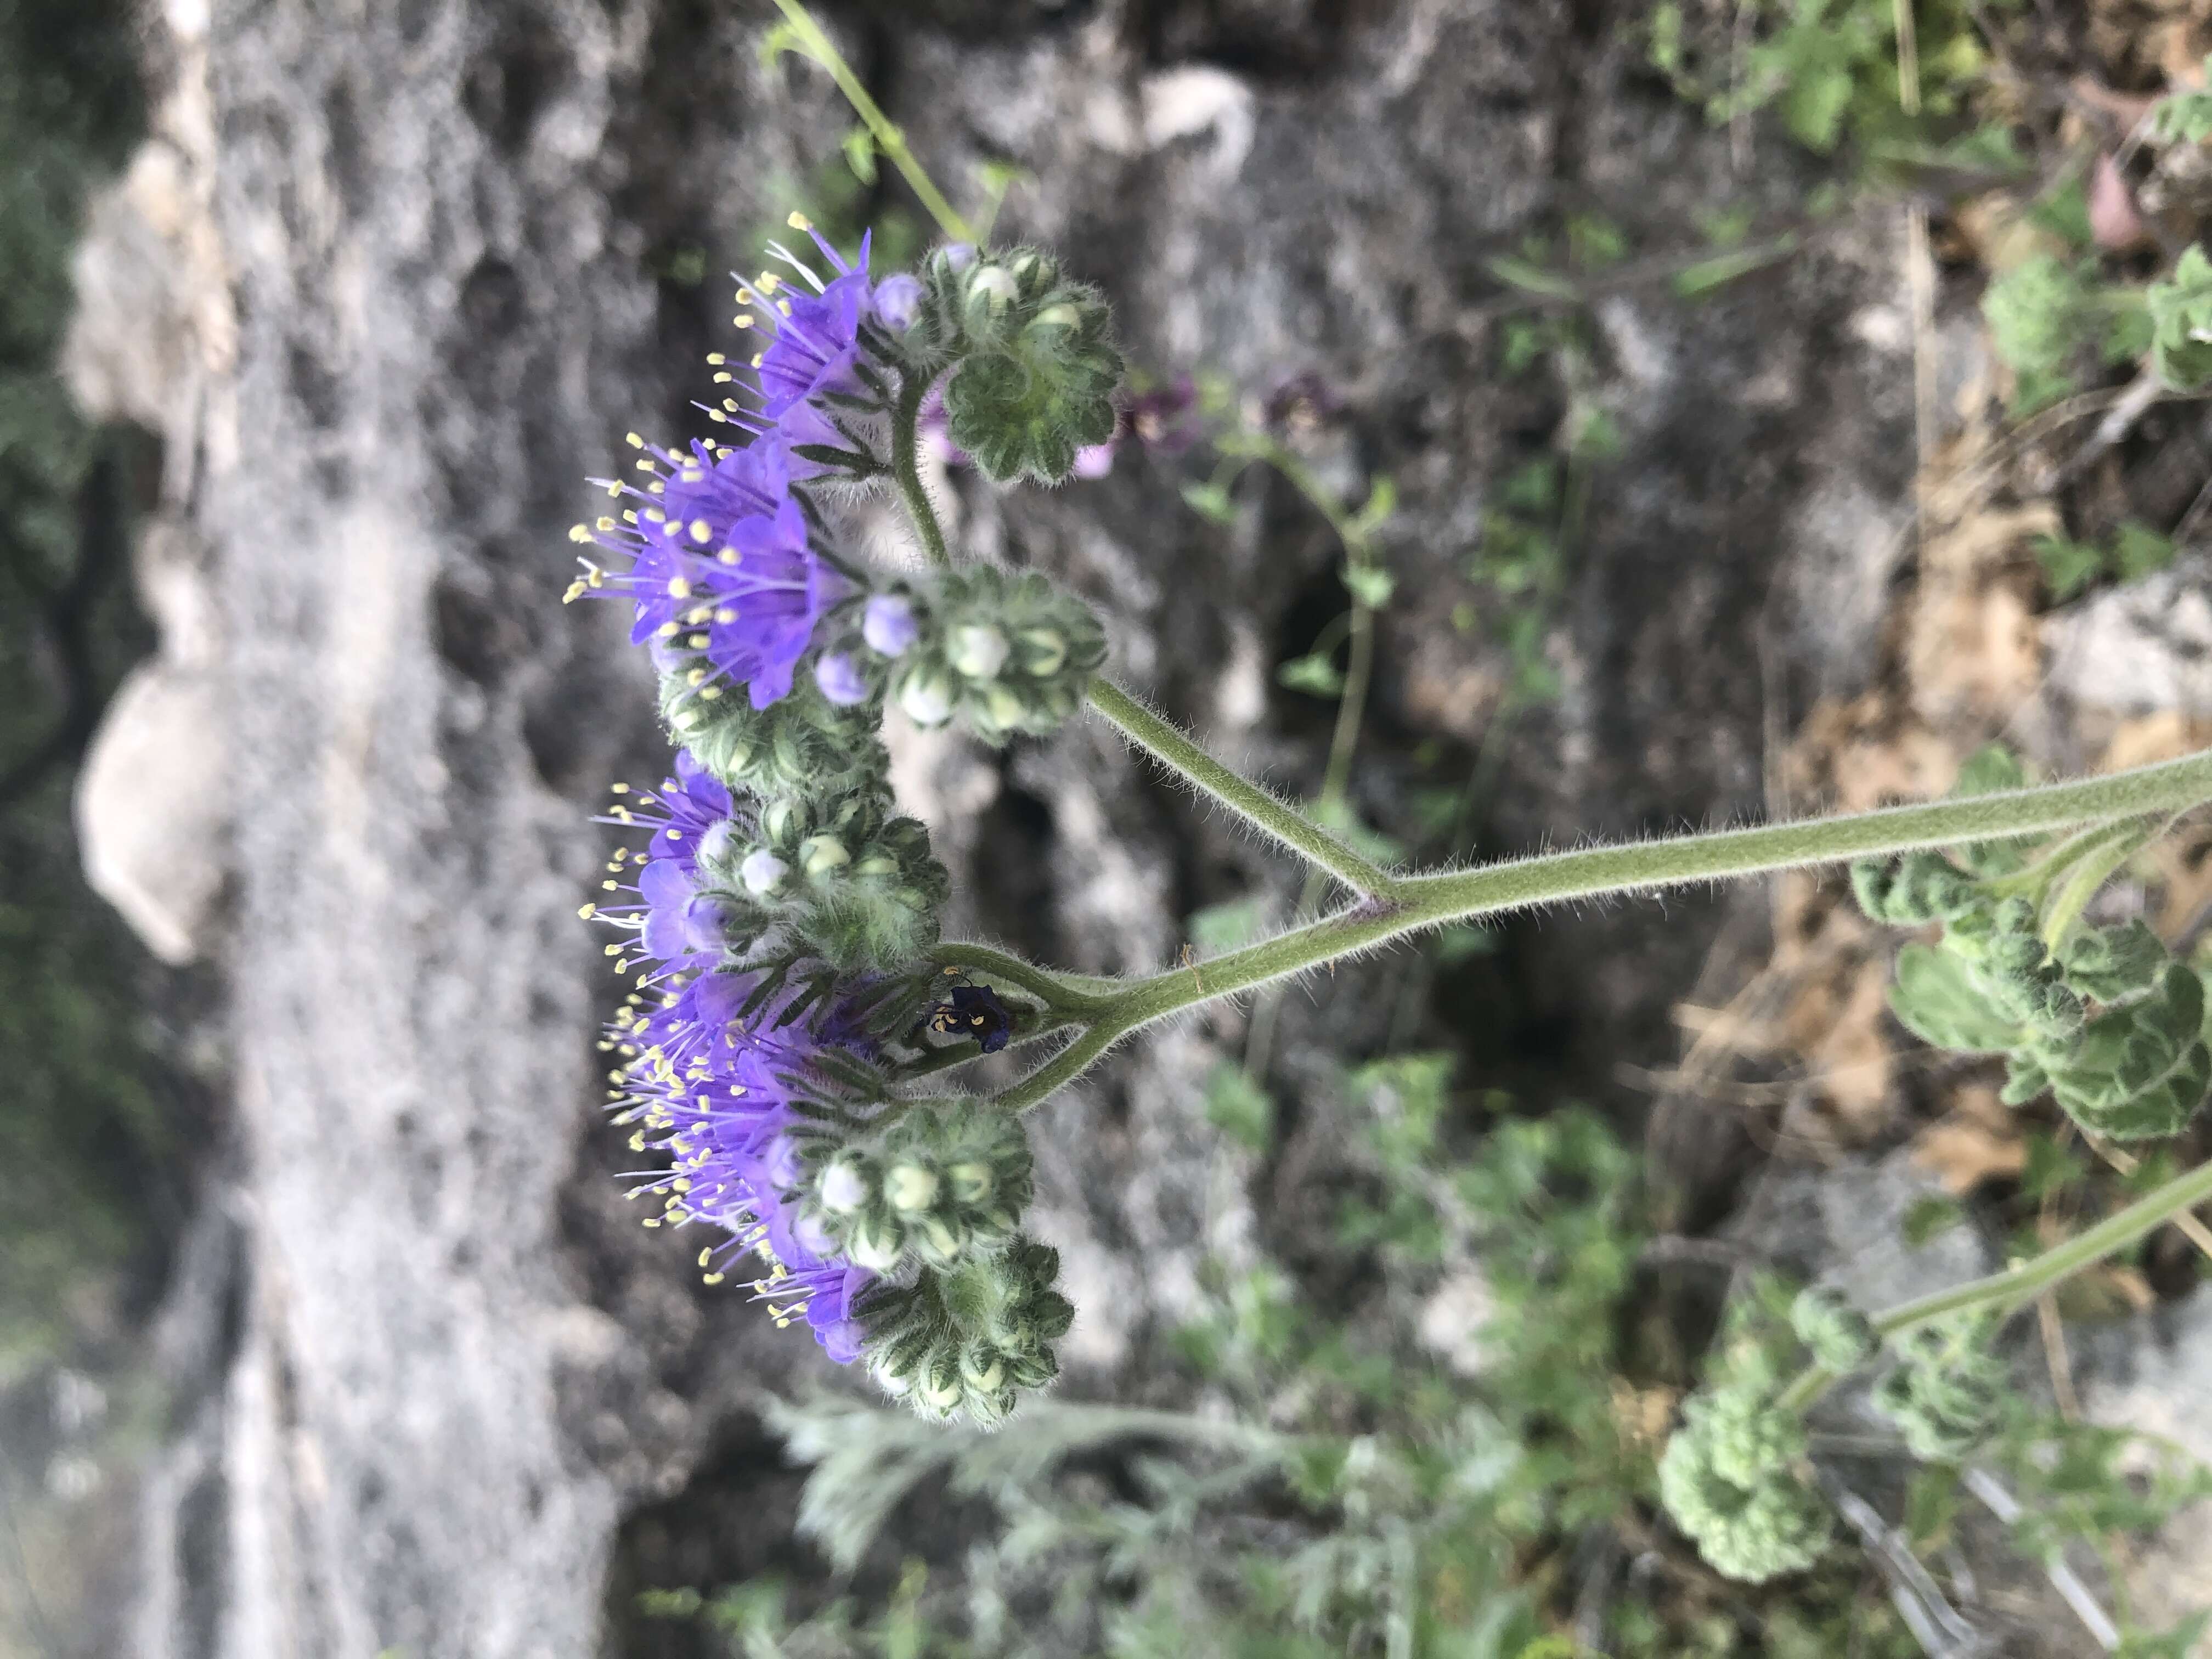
[926,699]
[762,871]
[1043,650]
[971,1182]
[841,679]
[1001,707]
[982,1367]
[887,624]
[715,845]
[813,1234]
[977,651]
[776,819]
[877,864]
[958,256]
[941,1389]
[993,286]
[843,1187]
[819,855]
[706,922]
[899,302]
[875,1245]
[910,1187]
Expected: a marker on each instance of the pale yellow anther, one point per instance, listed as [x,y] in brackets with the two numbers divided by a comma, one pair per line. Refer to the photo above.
[710,692]
[583,532]
[633,441]
[606,523]
[799,221]
[697,641]
[695,676]
[618,789]
[724,614]
[668,630]
[702,531]
[575,591]
[715,359]
[645,465]
[722,379]
[768,282]
[727,555]
[678,588]
[742,320]
[588,911]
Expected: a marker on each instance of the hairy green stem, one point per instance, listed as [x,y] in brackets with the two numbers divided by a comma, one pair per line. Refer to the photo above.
[888,137]
[905,443]
[1420,903]
[1064,993]
[2016,1286]
[1257,806]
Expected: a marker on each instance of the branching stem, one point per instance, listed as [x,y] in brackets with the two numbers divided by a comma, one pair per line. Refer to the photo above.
[1263,810]
[889,138]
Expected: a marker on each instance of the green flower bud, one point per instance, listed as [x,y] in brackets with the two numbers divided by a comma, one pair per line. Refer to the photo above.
[971,1182]
[876,1242]
[843,1186]
[818,855]
[1042,651]
[926,699]
[762,872]
[1840,1337]
[976,651]
[909,1187]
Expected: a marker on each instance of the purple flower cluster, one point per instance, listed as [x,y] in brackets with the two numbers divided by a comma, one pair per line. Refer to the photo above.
[717,550]
[709,1061]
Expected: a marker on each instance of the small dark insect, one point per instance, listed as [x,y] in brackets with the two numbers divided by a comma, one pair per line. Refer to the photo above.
[974,1011]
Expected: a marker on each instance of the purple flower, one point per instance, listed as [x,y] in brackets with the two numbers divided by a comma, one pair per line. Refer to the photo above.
[1167,419]
[690,816]
[841,679]
[710,1086]
[887,624]
[1095,460]
[818,336]
[720,564]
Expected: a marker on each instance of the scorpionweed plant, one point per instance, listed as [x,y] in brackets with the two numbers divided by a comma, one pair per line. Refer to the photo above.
[796,1009]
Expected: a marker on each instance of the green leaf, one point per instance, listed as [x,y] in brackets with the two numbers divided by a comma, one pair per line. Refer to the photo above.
[1940,999]
[1210,502]
[860,147]
[2067,565]
[1238,1107]
[1316,675]
[1462,942]
[1929,1217]
[2138,551]
[1722,269]
[1228,925]
[2181,322]
[1530,278]
[1371,584]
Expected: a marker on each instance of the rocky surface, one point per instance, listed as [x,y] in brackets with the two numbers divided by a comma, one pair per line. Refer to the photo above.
[412,268]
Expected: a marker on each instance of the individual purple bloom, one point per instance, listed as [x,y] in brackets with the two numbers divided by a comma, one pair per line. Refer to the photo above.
[678,927]
[899,302]
[720,564]
[818,336]
[841,679]
[1167,419]
[1095,460]
[1303,402]
[887,624]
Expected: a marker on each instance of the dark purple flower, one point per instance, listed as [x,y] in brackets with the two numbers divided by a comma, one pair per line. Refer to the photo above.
[1167,419]
[1303,402]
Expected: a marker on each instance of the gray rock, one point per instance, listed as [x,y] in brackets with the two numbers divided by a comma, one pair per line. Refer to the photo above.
[448,233]
[2143,648]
